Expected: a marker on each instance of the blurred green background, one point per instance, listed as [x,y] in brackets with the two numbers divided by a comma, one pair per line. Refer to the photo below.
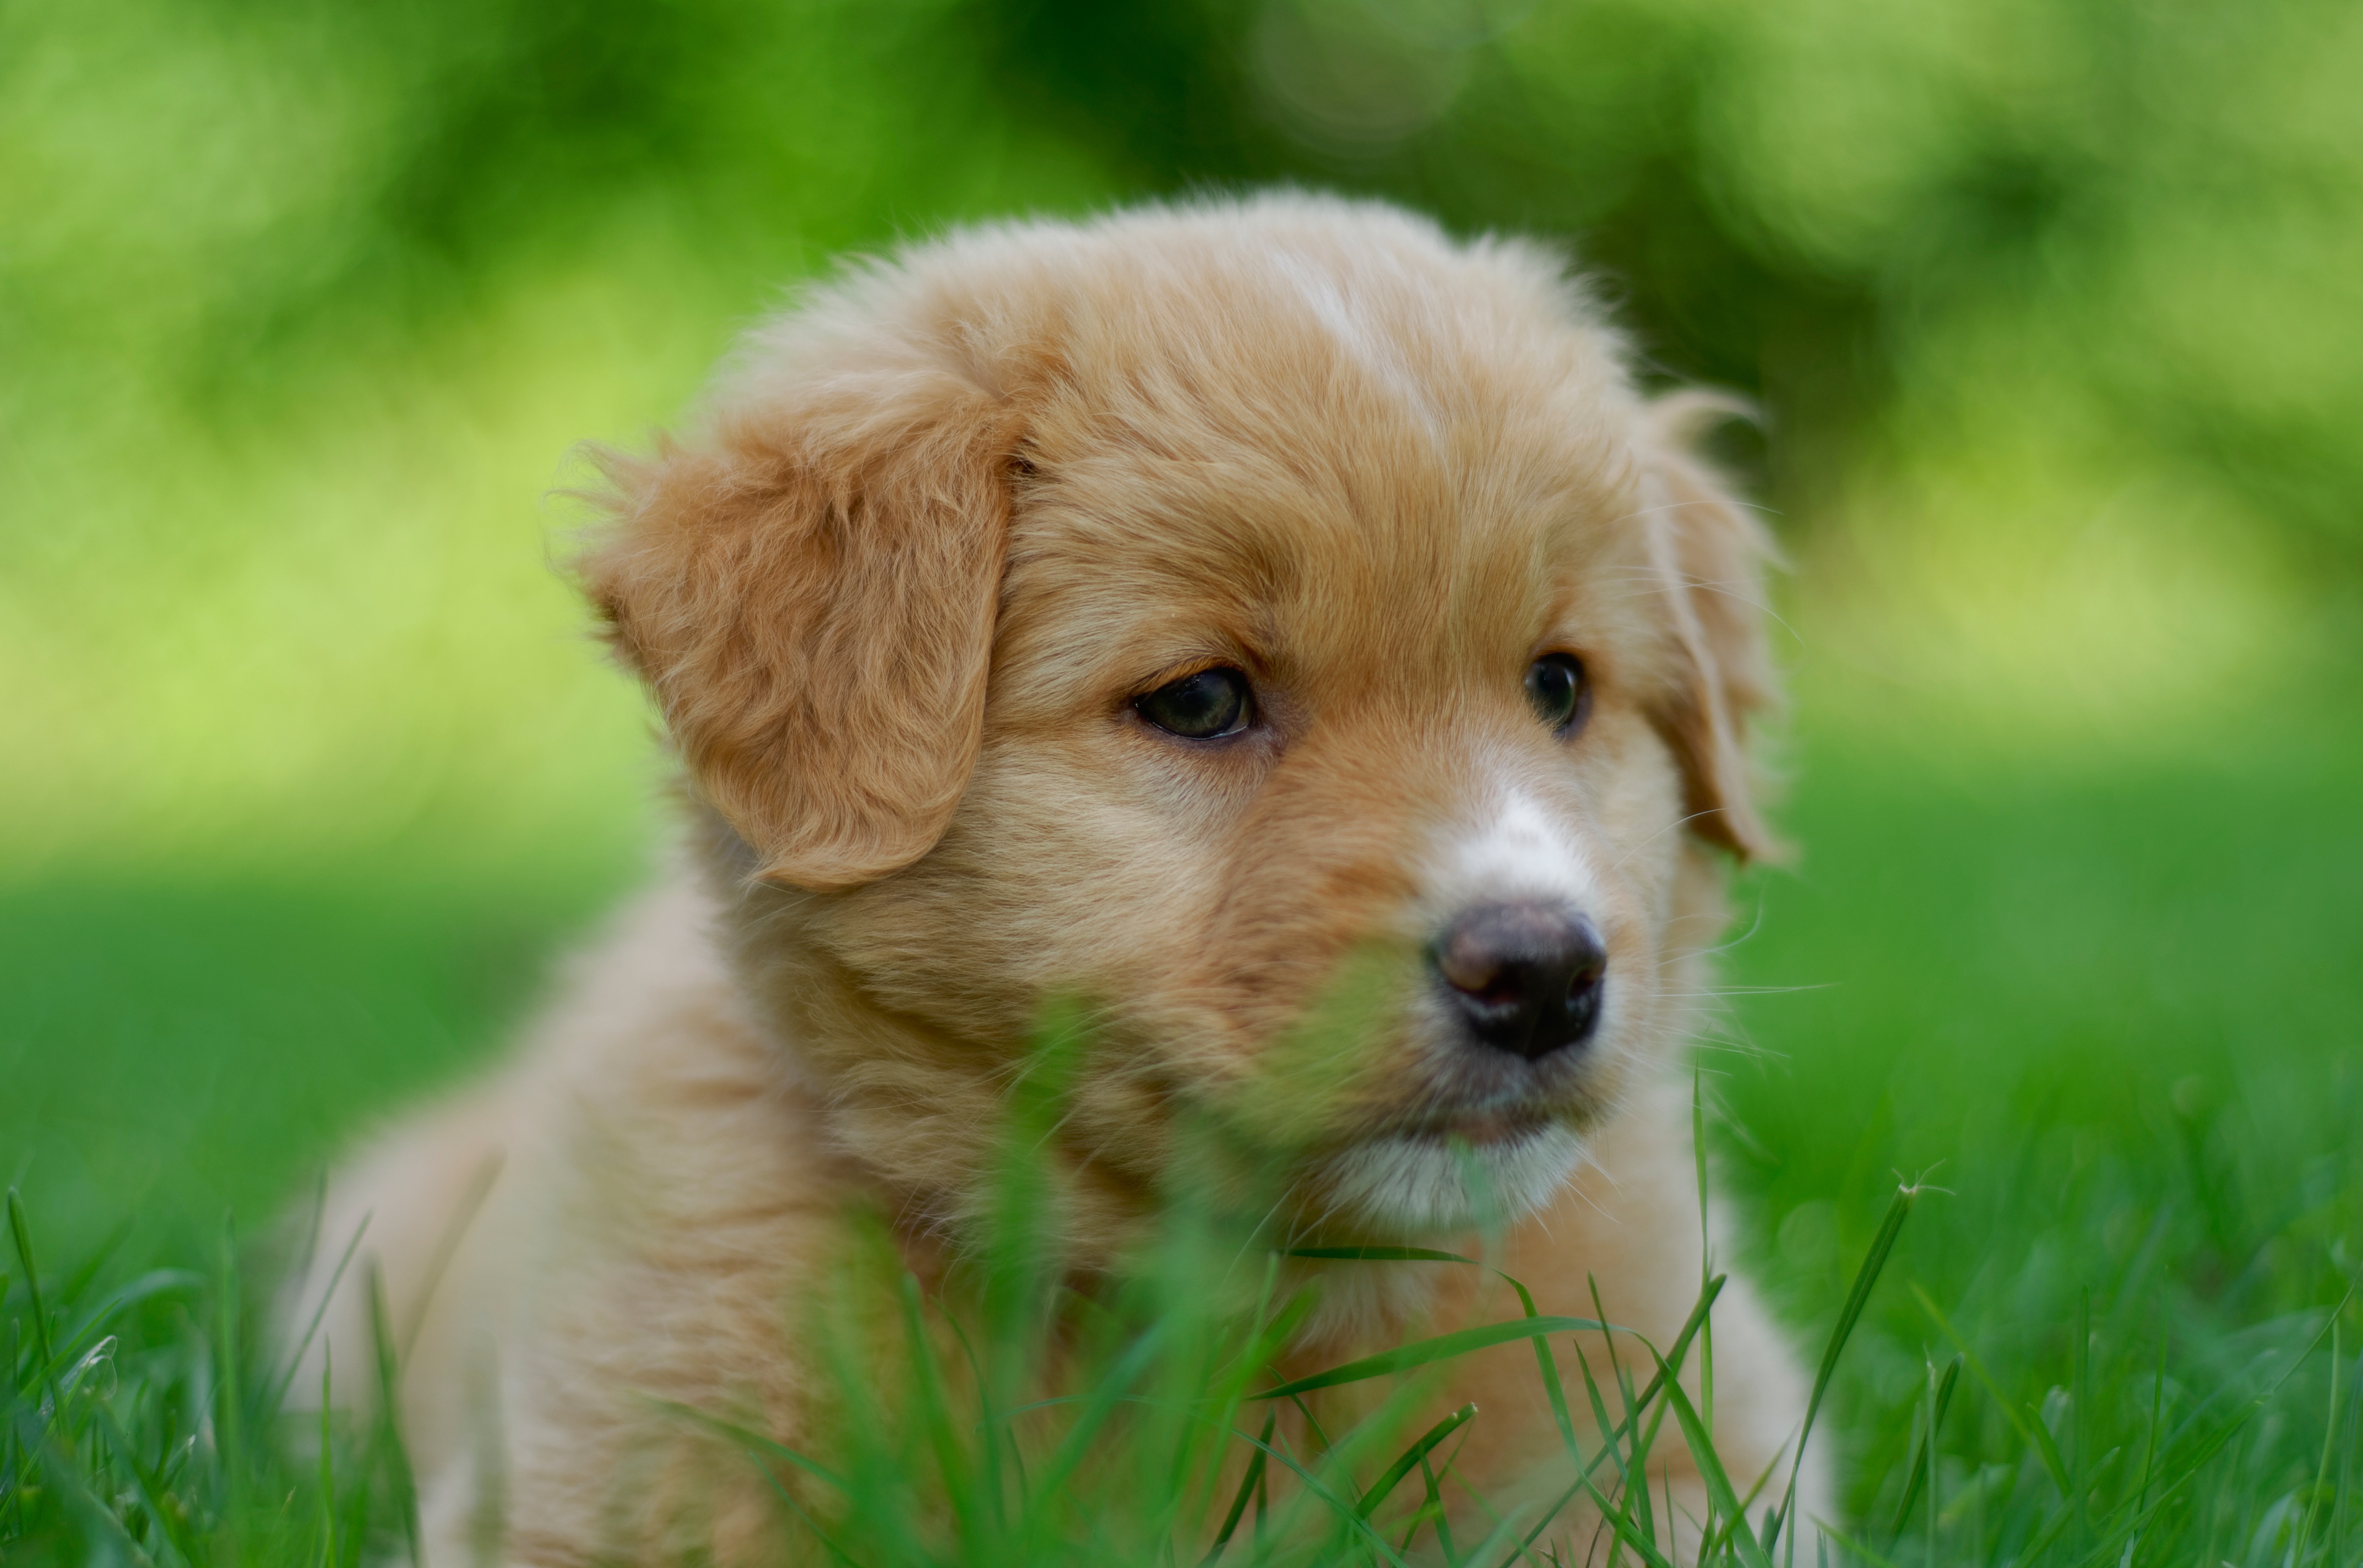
[306,766]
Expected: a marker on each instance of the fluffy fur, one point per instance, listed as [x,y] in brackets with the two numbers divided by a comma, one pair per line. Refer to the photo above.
[942,522]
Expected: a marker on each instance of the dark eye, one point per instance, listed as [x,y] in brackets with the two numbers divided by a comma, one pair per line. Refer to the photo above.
[1558,693]
[1200,707]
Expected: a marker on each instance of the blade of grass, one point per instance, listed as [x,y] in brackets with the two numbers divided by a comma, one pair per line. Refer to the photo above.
[446,1245]
[1634,1535]
[2156,1414]
[2213,1445]
[1720,1495]
[798,1509]
[392,1454]
[755,1443]
[229,1396]
[935,1413]
[328,1466]
[1936,1427]
[2043,1445]
[103,1535]
[1674,1356]
[170,1539]
[1708,1547]
[1313,1423]
[1501,1528]
[1641,1537]
[1101,1404]
[1337,1506]
[1382,1255]
[1247,1484]
[1504,1525]
[1442,1347]
[1554,1390]
[1706,1254]
[277,1399]
[1607,1425]
[1867,1554]
[994,1486]
[146,1287]
[1617,1373]
[1412,1456]
[1755,1490]
[1898,1209]
[22,1234]
[2047,1445]
[1922,1454]
[1432,1508]
[2329,1445]
[2080,1408]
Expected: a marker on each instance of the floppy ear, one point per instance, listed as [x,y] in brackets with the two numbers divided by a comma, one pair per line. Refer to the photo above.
[1712,554]
[809,592]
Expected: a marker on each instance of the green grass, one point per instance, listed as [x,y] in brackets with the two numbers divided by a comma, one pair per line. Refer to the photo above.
[2103,1009]
[176,1046]
[147,1423]
[2115,1016]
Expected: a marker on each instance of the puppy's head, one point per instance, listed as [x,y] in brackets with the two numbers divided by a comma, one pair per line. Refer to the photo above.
[1273,623]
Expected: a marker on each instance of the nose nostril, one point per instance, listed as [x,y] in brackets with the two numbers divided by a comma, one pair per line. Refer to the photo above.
[1468,965]
[1527,978]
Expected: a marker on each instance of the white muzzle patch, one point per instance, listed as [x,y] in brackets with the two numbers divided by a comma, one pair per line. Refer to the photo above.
[1408,1184]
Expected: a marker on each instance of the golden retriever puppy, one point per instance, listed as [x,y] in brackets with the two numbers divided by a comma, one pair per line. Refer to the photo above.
[1210,613]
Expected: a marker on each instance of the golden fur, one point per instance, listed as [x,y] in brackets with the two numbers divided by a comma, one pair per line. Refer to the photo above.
[941,523]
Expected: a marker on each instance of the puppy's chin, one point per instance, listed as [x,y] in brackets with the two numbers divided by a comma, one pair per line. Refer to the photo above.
[1407,1185]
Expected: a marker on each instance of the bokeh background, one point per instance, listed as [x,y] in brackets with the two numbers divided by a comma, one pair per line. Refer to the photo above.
[2055,307]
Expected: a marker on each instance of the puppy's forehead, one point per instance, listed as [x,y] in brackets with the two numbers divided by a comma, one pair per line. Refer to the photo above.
[1357,458]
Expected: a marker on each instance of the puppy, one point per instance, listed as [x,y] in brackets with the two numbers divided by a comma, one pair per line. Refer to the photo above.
[1220,614]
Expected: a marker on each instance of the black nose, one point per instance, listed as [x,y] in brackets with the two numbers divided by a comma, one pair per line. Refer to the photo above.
[1526,976]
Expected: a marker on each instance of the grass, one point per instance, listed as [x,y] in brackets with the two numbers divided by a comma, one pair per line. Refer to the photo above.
[176,1046]
[147,1422]
[2101,1013]
[2122,1037]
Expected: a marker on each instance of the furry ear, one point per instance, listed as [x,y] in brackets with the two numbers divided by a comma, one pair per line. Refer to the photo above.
[809,591]
[1714,555]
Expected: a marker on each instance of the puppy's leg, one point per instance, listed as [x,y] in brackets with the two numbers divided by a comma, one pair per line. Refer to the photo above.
[682,1206]
[401,1221]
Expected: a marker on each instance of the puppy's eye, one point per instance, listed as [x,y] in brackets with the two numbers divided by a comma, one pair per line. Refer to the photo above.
[1203,706]
[1558,691]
